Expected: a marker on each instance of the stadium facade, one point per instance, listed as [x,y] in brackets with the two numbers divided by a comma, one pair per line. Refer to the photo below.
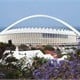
[38,35]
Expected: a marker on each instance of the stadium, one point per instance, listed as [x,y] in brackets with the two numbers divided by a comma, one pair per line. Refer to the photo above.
[40,35]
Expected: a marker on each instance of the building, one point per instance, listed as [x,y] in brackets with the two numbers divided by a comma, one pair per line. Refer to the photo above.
[39,36]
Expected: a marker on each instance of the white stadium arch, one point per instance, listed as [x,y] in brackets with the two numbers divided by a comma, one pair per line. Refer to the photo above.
[45,16]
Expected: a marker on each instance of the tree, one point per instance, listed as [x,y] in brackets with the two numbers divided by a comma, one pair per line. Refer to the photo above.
[49,47]
[2,48]
[5,46]
[58,51]
[23,47]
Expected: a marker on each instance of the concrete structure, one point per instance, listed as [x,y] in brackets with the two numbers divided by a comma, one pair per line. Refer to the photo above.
[39,36]
[29,54]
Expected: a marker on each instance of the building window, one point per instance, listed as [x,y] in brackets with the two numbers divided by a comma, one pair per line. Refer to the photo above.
[47,35]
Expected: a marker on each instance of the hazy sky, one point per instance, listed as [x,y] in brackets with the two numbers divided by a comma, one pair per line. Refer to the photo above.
[13,10]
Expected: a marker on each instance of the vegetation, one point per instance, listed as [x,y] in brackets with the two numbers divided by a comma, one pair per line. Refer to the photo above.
[58,70]
[40,68]
[49,47]
[37,62]
[6,46]
[23,47]
[13,68]
[58,52]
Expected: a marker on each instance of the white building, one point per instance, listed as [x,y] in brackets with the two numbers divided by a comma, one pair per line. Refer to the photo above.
[39,36]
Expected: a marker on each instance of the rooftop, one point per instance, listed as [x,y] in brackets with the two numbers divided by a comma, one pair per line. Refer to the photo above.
[39,30]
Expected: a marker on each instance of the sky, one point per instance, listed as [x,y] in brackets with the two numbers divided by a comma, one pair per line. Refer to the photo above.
[13,10]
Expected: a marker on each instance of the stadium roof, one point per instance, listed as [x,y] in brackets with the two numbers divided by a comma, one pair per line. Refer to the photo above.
[39,30]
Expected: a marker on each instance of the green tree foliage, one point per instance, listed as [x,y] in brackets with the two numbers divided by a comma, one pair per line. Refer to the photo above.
[2,48]
[11,59]
[5,46]
[23,47]
[48,47]
[37,62]
[78,52]
[58,51]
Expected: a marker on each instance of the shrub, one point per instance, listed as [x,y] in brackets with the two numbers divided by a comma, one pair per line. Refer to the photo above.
[23,47]
[49,47]
[64,69]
